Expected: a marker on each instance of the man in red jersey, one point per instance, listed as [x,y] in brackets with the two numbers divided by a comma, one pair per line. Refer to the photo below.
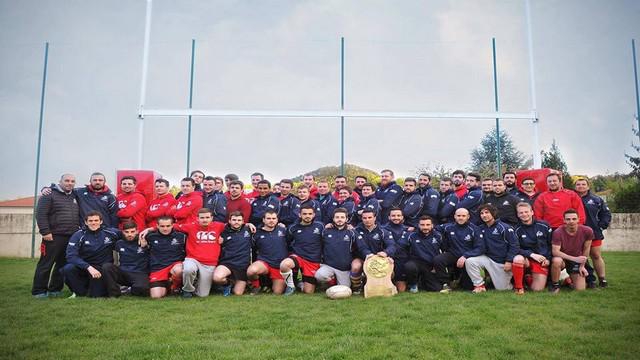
[163,205]
[341,182]
[203,251]
[310,181]
[188,203]
[551,204]
[132,205]
[256,177]
[570,246]
[237,202]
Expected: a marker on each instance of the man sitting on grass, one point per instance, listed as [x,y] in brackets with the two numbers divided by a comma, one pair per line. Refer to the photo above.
[535,246]
[133,268]
[570,245]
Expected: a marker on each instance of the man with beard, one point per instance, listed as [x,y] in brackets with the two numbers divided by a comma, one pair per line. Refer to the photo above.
[411,203]
[551,204]
[388,194]
[132,205]
[214,199]
[509,178]
[235,256]
[504,202]
[237,202]
[448,201]
[430,196]
[264,202]
[473,198]
[458,183]
[367,202]
[189,203]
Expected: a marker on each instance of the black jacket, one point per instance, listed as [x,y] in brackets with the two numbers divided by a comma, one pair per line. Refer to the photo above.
[58,213]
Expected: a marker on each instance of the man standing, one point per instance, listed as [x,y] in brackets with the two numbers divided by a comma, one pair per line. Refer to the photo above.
[289,204]
[346,202]
[235,256]
[198,178]
[133,268]
[473,198]
[551,204]
[214,199]
[457,180]
[528,193]
[327,202]
[359,181]
[504,202]
[57,215]
[340,182]
[189,203]
[305,198]
[448,201]
[570,246]
[163,205]
[430,196]
[411,203]
[497,252]
[388,194]
[423,246]
[88,252]
[305,238]
[368,201]
[487,187]
[131,204]
[256,177]
[310,181]
[535,246]
[598,219]
[264,202]
[509,178]
[237,202]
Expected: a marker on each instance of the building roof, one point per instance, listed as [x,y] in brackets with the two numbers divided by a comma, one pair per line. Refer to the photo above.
[22,202]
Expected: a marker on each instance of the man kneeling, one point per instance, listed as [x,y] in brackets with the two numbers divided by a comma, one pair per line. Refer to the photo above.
[133,268]
[235,256]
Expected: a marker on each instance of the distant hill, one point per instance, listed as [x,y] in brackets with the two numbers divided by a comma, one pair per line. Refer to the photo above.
[350,171]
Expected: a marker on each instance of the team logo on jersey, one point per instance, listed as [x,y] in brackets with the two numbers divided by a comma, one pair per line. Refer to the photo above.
[270,206]
[329,236]
[85,193]
[467,238]
[411,203]
[434,196]
[539,234]
[434,241]
[375,237]
[74,201]
[452,203]
[393,191]
[555,200]
[417,241]
[228,237]
[246,234]
[179,206]
[107,240]
[104,198]
[346,238]
[495,232]
[261,236]
[122,250]
[154,207]
[590,202]
[280,233]
[506,202]
[286,203]
[156,241]
[471,197]
[133,203]
[316,231]
[174,241]
[299,231]
[452,233]
[87,242]
[140,250]
[72,244]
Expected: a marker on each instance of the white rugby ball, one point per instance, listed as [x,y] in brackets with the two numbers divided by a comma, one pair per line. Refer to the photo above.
[338,292]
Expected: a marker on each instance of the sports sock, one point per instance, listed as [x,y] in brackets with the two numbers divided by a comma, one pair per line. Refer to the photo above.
[255,284]
[288,277]
[356,280]
[176,282]
[518,274]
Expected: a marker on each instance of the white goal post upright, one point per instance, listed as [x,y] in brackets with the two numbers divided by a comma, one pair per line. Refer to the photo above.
[337,114]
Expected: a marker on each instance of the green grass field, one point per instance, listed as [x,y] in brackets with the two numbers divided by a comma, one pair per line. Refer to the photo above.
[595,324]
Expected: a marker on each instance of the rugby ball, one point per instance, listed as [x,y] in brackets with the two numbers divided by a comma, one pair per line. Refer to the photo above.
[338,292]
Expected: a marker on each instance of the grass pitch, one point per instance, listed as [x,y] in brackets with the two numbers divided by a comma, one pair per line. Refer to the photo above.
[595,324]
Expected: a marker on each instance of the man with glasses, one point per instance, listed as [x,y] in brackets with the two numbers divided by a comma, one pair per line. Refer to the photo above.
[528,193]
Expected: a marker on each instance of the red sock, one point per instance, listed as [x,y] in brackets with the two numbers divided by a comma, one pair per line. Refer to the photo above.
[518,274]
[255,283]
[528,279]
[176,282]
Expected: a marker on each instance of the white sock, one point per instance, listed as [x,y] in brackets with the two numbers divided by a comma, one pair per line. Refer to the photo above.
[288,277]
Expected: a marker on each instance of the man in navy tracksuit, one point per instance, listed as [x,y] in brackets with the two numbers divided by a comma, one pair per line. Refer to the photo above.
[305,239]
[496,252]
[460,238]
[338,246]
[368,201]
[270,243]
[133,268]
[423,246]
[235,256]
[598,217]
[430,196]
[327,202]
[473,198]
[88,251]
[166,253]
[289,204]
[372,239]
[448,202]
[264,202]
[346,202]
[304,195]
[214,199]
[504,201]
[398,228]
[534,238]
[411,203]
[388,194]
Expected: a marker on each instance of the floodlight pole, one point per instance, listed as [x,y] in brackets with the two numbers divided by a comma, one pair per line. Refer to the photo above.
[193,52]
[143,87]
[537,157]
[495,95]
[342,105]
[35,188]
[635,77]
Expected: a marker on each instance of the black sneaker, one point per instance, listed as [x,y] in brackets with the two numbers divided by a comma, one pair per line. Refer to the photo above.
[187,294]
[591,285]
[254,291]
[554,289]
[603,283]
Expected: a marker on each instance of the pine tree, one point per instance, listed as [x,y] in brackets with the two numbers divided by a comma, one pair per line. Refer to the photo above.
[484,157]
[553,159]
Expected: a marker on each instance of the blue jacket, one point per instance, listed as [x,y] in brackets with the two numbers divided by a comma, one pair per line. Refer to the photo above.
[132,257]
[338,246]
[349,205]
[271,246]
[598,214]
[389,196]
[103,202]
[289,210]
[499,242]
[447,206]
[306,240]
[421,246]
[397,231]
[471,201]
[374,241]
[460,240]
[411,205]
[165,249]
[236,247]
[506,205]
[316,206]
[522,197]
[534,238]
[217,202]
[430,201]
[367,203]
[86,247]
[328,204]
[260,205]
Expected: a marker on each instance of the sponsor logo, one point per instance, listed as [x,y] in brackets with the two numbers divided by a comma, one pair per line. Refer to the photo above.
[495,232]
[375,237]
[174,241]
[434,241]
[316,231]
[104,198]
[208,236]
[140,250]
[299,231]
[329,236]
[280,233]
[467,238]
[246,234]
[346,238]
[506,202]
[154,207]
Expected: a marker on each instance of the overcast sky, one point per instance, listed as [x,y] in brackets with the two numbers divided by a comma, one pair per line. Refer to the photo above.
[253,55]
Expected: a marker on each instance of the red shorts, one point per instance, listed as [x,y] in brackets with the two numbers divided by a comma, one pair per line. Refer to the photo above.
[308,268]
[162,274]
[536,268]
[274,273]
[596,243]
